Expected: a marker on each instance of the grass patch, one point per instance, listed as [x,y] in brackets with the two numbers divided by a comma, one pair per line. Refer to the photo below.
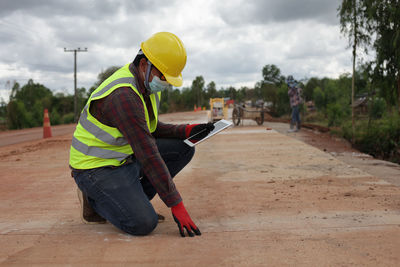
[379,137]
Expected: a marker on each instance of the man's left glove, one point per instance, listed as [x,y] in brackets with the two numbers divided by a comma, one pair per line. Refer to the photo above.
[183,220]
[202,130]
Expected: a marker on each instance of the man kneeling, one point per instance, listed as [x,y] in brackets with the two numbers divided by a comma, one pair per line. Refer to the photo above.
[121,156]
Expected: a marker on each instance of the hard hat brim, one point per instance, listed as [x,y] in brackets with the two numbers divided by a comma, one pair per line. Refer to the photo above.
[175,81]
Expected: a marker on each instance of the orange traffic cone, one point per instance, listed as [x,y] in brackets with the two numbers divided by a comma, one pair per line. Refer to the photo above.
[46,124]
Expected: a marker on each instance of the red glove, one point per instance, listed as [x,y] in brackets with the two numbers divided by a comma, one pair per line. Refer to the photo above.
[183,220]
[202,130]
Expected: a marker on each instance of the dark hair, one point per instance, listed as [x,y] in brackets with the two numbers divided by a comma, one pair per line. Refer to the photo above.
[138,57]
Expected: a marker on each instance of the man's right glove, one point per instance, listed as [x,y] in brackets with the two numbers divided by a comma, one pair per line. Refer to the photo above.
[183,220]
[202,130]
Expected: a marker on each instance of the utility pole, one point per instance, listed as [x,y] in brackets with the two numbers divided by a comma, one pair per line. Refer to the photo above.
[355,27]
[76,115]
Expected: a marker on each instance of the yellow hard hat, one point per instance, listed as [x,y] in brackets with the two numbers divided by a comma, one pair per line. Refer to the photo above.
[167,53]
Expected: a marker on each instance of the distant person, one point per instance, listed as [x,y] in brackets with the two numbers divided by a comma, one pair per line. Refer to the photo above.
[121,155]
[294,93]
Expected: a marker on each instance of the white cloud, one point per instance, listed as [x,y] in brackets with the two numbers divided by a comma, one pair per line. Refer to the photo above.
[227,42]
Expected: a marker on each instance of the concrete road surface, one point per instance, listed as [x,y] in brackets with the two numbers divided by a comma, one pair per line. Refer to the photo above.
[260,198]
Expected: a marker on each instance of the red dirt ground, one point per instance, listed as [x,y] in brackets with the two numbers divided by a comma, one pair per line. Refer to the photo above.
[260,197]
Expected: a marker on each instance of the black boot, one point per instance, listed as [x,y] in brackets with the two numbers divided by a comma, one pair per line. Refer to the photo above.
[88,214]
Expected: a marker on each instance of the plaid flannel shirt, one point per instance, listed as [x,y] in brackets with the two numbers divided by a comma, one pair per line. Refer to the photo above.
[294,95]
[124,110]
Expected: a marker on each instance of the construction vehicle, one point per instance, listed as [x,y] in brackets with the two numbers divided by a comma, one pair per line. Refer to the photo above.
[218,110]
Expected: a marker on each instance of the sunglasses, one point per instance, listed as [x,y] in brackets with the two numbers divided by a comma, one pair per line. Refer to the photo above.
[162,77]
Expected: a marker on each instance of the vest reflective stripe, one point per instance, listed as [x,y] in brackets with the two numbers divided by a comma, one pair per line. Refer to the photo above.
[95,144]
[157,101]
[96,151]
[98,132]
[114,83]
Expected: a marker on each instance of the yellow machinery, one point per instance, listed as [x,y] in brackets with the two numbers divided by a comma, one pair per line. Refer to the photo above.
[218,110]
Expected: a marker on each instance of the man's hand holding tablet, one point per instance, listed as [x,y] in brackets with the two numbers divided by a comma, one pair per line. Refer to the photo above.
[204,131]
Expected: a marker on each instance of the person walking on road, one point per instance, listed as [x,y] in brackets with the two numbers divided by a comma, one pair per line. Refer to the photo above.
[121,155]
[294,93]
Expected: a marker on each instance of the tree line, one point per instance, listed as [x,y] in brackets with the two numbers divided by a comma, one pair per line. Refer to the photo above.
[26,103]
[331,99]
[371,25]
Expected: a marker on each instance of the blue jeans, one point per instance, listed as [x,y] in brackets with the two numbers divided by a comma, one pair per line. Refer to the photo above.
[296,117]
[120,196]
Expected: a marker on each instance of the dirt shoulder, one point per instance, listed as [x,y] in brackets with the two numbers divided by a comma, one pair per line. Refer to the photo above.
[342,150]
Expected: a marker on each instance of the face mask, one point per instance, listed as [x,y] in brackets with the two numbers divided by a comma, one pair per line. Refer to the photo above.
[156,85]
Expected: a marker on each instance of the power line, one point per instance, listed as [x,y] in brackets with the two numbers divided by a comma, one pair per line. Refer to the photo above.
[75,96]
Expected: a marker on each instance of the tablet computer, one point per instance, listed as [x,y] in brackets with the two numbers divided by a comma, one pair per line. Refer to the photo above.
[219,126]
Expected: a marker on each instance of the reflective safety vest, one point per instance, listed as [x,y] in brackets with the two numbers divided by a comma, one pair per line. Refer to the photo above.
[95,144]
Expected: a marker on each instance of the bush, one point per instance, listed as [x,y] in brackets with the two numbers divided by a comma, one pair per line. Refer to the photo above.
[55,118]
[283,104]
[319,98]
[68,118]
[17,115]
[315,117]
[164,107]
[335,114]
[380,138]
[377,108]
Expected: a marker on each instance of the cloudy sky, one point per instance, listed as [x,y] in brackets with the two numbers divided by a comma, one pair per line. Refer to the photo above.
[228,42]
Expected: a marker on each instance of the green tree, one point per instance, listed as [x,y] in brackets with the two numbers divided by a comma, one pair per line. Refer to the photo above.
[308,89]
[332,94]
[319,98]
[187,98]
[25,108]
[230,92]
[32,92]
[175,102]
[269,89]
[272,74]
[377,108]
[3,114]
[104,74]
[101,77]
[64,106]
[211,90]
[3,108]
[283,105]
[269,93]
[198,90]
[384,20]
[17,115]
[335,114]
[14,90]
[82,97]
[354,24]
